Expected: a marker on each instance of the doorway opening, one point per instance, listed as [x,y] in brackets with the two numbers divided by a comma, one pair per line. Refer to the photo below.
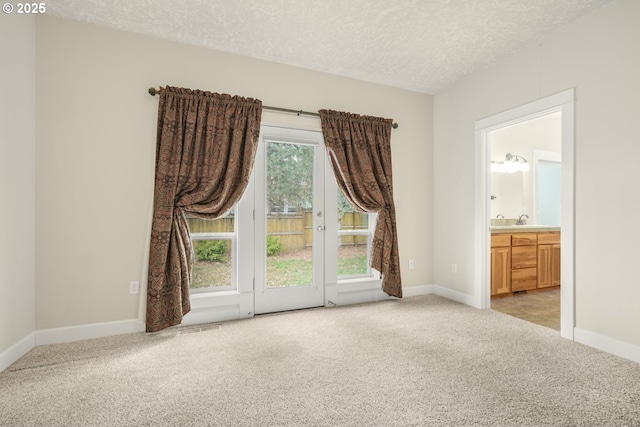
[562,104]
[527,191]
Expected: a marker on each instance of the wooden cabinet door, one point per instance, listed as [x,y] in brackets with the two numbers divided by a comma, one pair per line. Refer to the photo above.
[555,265]
[548,265]
[500,270]
[544,266]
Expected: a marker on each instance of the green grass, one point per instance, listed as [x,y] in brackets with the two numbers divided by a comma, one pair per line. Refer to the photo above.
[352,265]
[288,272]
[293,269]
[210,273]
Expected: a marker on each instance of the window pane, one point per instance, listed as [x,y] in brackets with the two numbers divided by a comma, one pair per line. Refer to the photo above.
[352,259]
[353,250]
[213,257]
[349,218]
[212,267]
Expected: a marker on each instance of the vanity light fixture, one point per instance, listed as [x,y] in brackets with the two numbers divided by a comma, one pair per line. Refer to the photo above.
[513,163]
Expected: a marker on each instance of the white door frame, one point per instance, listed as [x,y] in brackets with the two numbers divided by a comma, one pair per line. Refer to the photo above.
[565,103]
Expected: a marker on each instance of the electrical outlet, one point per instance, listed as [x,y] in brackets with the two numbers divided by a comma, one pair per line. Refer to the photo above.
[454,268]
[134,287]
[410,264]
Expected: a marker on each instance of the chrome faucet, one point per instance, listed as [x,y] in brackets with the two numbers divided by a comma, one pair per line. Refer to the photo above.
[519,221]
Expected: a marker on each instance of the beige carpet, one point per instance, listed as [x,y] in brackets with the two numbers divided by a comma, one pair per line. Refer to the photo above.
[420,361]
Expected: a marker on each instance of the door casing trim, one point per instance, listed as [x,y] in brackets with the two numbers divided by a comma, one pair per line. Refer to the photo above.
[565,103]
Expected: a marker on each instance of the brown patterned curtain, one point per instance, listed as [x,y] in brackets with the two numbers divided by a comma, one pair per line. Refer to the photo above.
[205,151]
[360,151]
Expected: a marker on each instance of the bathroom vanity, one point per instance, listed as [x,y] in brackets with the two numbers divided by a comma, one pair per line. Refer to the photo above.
[524,257]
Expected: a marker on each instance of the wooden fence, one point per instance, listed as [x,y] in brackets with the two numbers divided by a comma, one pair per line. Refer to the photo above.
[295,231]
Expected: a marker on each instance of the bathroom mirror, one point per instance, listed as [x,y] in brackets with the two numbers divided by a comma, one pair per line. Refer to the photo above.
[536,191]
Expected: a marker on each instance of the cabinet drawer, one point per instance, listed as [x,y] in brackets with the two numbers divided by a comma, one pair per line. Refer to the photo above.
[523,279]
[550,238]
[500,240]
[523,257]
[521,239]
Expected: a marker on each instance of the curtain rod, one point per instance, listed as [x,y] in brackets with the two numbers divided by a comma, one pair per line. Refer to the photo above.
[153,92]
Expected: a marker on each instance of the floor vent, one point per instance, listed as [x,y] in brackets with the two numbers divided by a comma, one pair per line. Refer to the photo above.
[198,328]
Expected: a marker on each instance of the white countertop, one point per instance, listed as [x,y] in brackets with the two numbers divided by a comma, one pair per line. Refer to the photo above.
[522,228]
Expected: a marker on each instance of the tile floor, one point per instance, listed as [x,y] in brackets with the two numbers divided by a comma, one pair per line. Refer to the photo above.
[541,306]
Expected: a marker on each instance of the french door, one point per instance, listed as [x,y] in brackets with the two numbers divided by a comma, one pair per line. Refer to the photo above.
[289,175]
[291,242]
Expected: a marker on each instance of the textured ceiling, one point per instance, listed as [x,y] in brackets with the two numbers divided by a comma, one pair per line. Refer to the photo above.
[419,45]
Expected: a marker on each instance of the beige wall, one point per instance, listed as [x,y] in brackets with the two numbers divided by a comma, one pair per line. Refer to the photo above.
[599,56]
[17,179]
[96,147]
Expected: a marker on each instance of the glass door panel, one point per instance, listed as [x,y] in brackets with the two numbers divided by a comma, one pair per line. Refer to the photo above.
[290,173]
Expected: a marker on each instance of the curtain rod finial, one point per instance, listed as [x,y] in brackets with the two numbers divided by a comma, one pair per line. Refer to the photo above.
[153,91]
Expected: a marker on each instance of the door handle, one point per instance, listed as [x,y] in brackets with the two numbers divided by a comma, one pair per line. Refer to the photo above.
[321,228]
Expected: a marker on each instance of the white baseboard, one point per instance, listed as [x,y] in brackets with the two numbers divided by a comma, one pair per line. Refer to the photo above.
[455,295]
[16,351]
[606,344]
[83,332]
[414,291]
